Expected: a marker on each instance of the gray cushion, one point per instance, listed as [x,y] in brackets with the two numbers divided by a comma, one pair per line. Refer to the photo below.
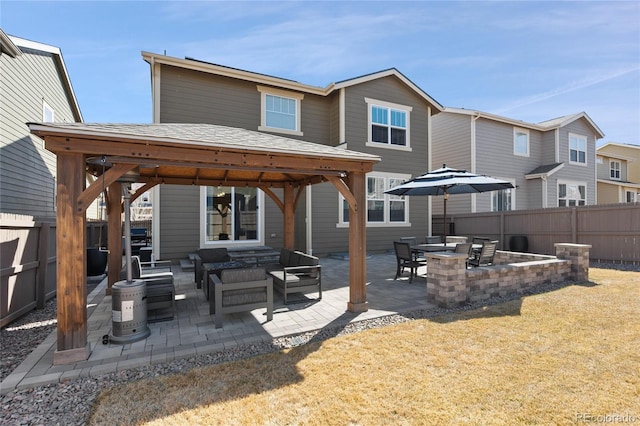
[285,255]
[308,260]
[244,296]
[242,275]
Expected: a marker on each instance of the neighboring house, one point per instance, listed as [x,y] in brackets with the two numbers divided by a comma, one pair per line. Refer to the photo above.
[550,163]
[34,87]
[618,173]
[383,113]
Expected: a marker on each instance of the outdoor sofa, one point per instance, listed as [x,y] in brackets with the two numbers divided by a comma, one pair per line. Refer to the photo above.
[240,290]
[296,272]
[208,255]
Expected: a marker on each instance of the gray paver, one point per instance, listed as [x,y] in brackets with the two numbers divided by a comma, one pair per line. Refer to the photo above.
[193,332]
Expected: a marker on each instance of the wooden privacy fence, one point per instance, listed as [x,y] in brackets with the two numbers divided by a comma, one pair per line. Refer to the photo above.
[613,231]
[27,265]
[28,261]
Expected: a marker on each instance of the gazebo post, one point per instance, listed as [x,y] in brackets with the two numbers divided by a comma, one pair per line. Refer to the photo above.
[71,271]
[357,244]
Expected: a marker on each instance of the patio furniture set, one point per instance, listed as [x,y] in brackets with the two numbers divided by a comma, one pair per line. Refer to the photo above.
[409,255]
[232,284]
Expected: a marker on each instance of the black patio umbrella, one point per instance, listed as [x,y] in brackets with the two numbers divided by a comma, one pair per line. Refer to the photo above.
[445,181]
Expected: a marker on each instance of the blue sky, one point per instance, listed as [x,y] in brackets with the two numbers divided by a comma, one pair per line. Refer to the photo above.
[529,61]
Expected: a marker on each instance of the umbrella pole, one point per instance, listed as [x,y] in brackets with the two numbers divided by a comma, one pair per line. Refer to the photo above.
[446,197]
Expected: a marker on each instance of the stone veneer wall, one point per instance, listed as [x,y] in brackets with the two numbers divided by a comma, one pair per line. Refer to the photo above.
[450,283]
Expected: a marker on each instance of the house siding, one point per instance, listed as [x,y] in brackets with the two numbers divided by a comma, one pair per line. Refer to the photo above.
[328,235]
[451,146]
[27,170]
[198,97]
[574,172]
[195,97]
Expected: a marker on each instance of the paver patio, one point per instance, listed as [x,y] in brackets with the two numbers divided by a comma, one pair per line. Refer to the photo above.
[193,332]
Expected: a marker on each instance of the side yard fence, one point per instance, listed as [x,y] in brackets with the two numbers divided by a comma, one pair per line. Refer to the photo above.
[613,231]
[28,261]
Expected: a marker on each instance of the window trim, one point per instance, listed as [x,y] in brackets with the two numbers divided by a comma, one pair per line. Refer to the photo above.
[586,149]
[297,97]
[204,243]
[513,195]
[517,130]
[634,196]
[387,203]
[389,105]
[619,170]
[45,107]
[571,182]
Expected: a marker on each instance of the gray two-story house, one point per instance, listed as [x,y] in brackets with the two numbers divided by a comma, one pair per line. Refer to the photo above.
[550,164]
[34,87]
[382,113]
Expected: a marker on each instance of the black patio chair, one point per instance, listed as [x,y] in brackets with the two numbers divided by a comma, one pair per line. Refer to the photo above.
[465,248]
[436,239]
[485,257]
[405,259]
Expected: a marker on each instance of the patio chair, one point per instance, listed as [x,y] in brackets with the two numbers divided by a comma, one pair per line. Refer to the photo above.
[240,290]
[485,257]
[465,248]
[406,259]
[436,239]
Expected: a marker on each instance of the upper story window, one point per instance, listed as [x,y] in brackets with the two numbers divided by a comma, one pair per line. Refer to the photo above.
[577,149]
[382,209]
[614,169]
[388,124]
[521,142]
[48,115]
[572,194]
[280,111]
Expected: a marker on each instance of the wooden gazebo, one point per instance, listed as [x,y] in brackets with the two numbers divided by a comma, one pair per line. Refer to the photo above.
[183,154]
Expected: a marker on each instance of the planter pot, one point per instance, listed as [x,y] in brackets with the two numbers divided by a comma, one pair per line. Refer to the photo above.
[96,262]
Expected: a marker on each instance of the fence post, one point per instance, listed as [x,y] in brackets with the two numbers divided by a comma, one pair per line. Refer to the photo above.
[43,263]
[574,225]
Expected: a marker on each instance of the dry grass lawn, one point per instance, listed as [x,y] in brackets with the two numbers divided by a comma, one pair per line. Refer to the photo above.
[552,358]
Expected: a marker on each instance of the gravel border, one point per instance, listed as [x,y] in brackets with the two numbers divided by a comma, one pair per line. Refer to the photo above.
[70,402]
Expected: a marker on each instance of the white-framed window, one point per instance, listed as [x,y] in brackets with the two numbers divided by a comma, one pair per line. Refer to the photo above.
[382,209]
[572,194]
[520,142]
[388,124]
[504,200]
[577,149]
[614,169]
[231,214]
[630,196]
[48,114]
[280,111]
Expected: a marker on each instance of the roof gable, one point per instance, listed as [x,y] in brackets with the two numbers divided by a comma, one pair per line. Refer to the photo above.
[541,126]
[21,43]
[283,83]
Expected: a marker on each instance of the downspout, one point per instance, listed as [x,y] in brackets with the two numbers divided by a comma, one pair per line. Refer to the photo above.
[473,155]
[309,220]
[155,191]
[429,161]
[545,196]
